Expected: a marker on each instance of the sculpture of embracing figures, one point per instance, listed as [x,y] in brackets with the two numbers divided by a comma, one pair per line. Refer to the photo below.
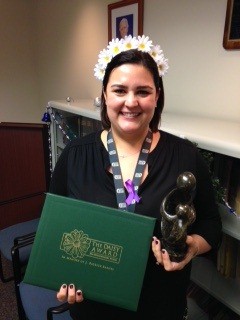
[177,213]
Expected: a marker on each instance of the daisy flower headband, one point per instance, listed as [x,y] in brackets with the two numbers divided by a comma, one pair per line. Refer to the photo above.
[142,43]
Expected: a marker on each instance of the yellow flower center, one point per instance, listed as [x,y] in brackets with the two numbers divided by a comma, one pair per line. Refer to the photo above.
[142,46]
[116,50]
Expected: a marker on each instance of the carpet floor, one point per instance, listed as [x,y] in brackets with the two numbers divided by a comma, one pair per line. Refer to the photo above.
[8,304]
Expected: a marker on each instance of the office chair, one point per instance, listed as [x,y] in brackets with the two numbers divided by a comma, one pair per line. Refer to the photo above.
[33,302]
[14,235]
[40,303]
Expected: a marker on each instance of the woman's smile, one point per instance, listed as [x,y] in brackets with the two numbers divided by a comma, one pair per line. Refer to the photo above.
[130,115]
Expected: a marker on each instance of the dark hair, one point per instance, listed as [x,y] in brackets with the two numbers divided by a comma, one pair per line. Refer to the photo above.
[134,56]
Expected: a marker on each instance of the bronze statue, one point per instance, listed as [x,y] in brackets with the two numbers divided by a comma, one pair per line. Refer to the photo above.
[177,213]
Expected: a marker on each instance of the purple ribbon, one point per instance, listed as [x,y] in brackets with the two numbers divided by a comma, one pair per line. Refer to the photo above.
[132,195]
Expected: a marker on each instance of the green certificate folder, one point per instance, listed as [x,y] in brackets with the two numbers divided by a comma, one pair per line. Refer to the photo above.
[102,250]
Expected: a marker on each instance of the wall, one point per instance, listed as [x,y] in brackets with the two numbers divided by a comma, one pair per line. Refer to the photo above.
[19,95]
[68,47]
[203,77]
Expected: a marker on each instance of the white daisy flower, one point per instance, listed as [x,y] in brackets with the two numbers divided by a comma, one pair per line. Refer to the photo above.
[155,51]
[163,67]
[144,44]
[105,57]
[115,46]
[130,43]
[99,71]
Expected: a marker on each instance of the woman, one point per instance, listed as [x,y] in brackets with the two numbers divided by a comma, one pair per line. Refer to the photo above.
[131,105]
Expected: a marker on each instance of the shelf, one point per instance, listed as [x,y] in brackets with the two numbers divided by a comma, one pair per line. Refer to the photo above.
[206,276]
[83,107]
[60,145]
[211,134]
[231,223]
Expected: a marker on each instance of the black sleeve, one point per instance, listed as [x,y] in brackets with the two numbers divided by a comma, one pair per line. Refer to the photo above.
[58,183]
[208,221]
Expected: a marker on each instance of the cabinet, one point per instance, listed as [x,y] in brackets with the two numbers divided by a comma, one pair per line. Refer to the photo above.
[69,120]
[24,171]
[213,135]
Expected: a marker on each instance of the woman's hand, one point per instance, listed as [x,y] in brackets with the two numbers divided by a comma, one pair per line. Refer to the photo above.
[162,256]
[69,294]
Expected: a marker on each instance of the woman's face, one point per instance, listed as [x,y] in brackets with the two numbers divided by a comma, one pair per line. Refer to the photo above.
[131,98]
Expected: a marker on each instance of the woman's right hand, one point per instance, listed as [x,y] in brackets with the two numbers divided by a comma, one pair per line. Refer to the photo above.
[69,294]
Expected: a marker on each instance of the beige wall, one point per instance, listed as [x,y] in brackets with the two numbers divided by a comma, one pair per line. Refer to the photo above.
[48,50]
[203,78]
[19,87]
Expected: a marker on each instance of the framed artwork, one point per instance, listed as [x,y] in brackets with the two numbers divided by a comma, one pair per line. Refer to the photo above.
[231,37]
[125,18]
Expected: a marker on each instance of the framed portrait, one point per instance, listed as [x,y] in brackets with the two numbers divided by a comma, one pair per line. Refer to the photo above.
[125,18]
[231,37]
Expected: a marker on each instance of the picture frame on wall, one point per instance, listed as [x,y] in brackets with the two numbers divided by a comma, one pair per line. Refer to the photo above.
[231,37]
[125,18]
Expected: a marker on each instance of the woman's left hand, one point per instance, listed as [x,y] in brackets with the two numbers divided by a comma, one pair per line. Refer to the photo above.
[69,294]
[162,256]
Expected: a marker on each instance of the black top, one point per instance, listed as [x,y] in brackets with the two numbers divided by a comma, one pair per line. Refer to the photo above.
[81,173]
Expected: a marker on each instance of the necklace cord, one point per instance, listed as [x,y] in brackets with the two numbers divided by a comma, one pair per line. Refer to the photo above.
[128,155]
[123,203]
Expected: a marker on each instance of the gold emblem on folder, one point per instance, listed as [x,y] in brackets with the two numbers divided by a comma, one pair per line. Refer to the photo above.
[77,245]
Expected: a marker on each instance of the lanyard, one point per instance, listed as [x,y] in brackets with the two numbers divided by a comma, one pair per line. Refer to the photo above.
[131,186]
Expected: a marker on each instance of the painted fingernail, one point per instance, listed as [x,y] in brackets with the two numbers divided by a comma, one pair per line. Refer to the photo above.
[71,286]
[64,286]
[79,292]
[163,251]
